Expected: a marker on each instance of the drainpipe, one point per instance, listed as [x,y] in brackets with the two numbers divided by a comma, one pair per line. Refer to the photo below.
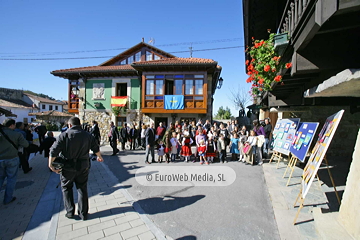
[84,99]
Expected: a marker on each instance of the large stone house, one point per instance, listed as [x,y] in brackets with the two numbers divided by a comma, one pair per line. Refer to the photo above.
[152,86]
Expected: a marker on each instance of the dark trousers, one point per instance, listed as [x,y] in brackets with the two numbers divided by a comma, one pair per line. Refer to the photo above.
[113,144]
[132,143]
[222,155]
[24,161]
[143,142]
[80,178]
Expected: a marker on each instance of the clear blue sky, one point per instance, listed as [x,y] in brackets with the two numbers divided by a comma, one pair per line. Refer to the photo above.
[39,29]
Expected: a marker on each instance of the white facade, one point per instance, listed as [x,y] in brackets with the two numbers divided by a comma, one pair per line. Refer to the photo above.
[43,105]
[22,115]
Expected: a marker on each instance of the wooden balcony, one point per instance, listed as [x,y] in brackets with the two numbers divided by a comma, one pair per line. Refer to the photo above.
[192,104]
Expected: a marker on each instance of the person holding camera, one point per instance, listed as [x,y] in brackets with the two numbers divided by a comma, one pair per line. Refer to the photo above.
[74,144]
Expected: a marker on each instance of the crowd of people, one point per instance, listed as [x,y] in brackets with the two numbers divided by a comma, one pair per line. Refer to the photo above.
[195,141]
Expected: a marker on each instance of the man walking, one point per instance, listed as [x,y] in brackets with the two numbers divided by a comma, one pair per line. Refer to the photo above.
[75,144]
[113,138]
[124,134]
[10,141]
[150,143]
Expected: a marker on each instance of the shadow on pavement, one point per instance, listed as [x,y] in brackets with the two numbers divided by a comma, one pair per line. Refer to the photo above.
[189,237]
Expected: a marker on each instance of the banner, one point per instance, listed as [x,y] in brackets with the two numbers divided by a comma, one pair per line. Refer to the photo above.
[283,134]
[118,101]
[174,102]
[317,154]
[302,139]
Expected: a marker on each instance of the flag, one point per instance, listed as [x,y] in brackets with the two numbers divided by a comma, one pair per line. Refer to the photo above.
[174,102]
[118,101]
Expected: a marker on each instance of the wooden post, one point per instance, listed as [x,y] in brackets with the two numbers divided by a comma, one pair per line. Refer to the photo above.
[332,180]
[292,166]
[300,206]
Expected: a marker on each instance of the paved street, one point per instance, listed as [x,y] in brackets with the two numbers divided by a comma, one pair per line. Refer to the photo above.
[257,205]
[239,211]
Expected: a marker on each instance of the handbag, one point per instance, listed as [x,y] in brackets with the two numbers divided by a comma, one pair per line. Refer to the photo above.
[247,149]
[261,140]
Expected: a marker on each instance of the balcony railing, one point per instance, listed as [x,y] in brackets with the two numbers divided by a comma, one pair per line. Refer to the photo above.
[293,14]
[190,102]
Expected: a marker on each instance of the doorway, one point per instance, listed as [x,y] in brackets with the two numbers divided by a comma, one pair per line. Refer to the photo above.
[163,120]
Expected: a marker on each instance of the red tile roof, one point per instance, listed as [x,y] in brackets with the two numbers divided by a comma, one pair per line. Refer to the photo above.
[7,113]
[176,61]
[51,113]
[126,67]
[14,103]
[43,100]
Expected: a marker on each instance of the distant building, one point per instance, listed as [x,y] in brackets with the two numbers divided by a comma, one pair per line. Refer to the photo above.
[43,104]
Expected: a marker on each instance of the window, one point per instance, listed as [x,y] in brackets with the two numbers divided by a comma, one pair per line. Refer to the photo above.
[199,87]
[150,87]
[121,89]
[189,90]
[156,57]
[43,106]
[149,56]
[56,108]
[50,107]
[123,62]
[159,87]
[32,119]
[137,57]
[178,87]
[131,60]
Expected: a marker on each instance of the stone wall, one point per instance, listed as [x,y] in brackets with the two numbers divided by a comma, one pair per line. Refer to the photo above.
[349,209]
[344,139]
[103,118]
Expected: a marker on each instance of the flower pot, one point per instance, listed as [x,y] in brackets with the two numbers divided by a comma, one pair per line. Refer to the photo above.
[280,42]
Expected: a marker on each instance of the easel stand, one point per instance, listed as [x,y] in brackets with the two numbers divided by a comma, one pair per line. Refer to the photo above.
[303,199]
[291,165]
[276,155]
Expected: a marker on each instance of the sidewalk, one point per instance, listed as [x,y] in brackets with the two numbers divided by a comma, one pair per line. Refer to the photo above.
[283,199]
[38,210]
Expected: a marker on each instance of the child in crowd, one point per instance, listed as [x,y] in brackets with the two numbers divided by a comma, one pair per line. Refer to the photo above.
[174,146]
[160,151]
[252,141]
[198,138]
[210,149]
[186,146]
[243,139]
[221,146]
[234,147]
[202,152]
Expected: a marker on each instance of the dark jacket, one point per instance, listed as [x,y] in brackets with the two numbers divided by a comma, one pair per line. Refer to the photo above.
[114,134]
[7,150]
[79,142]
[46,145]
[133,133]
[95,131]
[267,130]
[41,130]
[150,137]
[124,134]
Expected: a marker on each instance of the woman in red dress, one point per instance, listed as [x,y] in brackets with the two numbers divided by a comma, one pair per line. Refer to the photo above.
[186,147]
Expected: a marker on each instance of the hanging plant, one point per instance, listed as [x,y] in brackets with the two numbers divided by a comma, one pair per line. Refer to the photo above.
[116,110]
[264,67]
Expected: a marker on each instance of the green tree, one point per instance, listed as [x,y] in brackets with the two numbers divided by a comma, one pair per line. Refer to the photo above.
[223,113]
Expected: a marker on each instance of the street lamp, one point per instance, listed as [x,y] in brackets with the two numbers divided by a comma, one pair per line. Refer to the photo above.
[220,82]
[75,91]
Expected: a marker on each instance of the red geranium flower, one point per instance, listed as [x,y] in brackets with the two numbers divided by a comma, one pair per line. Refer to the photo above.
[260,89]
[261,81]
[273,70]
[248,80]
[277,78]
[288,65]
[267,68]
[247,62]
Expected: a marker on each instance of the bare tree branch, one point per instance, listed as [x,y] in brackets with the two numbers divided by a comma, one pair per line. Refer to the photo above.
[241,98]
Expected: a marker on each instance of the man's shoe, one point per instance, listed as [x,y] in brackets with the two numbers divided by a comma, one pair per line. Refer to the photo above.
[84,218]
[13,199]
[147,162]
[69,215]
[28,170]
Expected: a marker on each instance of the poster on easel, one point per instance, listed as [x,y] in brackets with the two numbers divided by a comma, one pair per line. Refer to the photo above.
[284,133]
[302,139]
[317,154]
